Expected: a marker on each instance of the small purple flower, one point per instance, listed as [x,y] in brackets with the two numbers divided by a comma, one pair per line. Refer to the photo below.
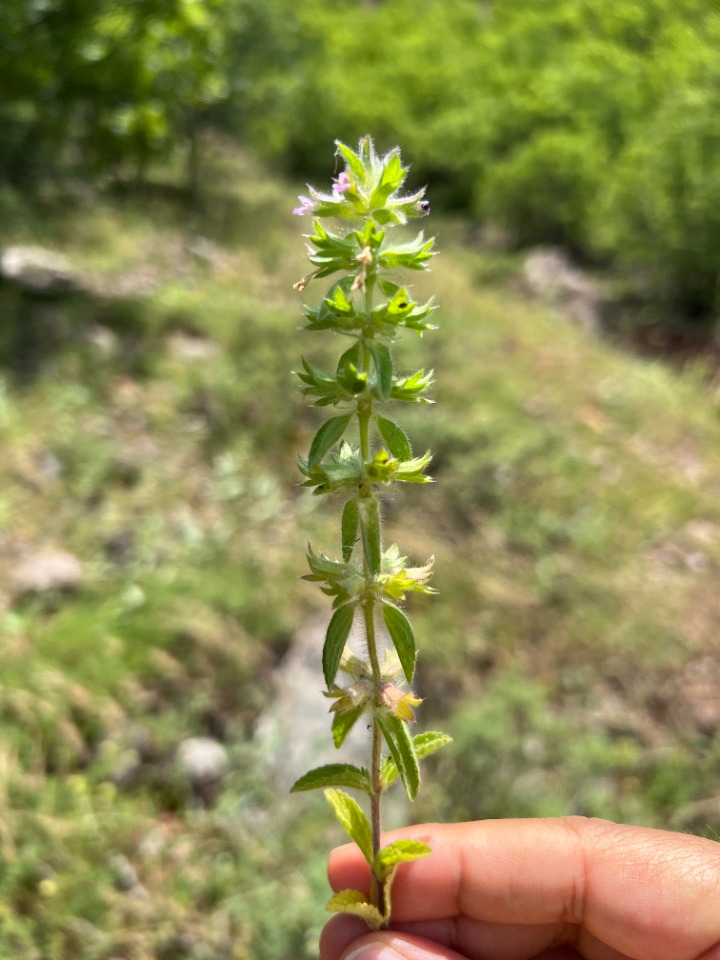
[342,184]
[306,205]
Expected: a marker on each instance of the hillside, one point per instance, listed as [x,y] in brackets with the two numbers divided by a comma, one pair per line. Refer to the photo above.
[149,429]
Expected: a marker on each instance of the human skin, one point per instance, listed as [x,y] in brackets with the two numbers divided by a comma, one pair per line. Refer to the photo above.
[542,889]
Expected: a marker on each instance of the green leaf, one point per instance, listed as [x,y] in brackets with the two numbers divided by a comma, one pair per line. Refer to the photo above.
[413,471]
[428,742]
[383,367]
[356,904]
[399,851]
[413,255]
[402,751]
[370,533]
[402,637]
[395,438]
[337,299]
[353,161]
[424,744]
[334,775]
[337,633]
[326,437]
[352,356]
[353,820]
[344,722]
[391,179]
[349,528]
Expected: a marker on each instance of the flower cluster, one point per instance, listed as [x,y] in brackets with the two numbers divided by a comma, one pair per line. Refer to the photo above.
[390,693]
[358,454]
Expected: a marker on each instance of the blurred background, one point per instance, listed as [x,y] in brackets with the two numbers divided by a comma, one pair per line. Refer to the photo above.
[157,642]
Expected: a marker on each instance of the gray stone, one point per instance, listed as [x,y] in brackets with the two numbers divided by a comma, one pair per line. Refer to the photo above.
[188,347]
[124,873]
[549,274]
[38,270]
[294,732]
[47,569]
[204,761]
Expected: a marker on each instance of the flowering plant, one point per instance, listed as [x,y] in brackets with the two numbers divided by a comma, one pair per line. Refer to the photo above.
[369,583]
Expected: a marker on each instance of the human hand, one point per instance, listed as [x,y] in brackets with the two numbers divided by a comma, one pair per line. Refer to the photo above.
[552,889]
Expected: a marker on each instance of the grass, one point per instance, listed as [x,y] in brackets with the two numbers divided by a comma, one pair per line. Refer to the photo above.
[575,527]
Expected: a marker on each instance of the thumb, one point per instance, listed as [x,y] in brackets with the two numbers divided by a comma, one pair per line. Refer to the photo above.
[391,945]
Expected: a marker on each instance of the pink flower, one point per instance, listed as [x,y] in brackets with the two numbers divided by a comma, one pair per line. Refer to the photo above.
[397,702]
[306,205]
[342,184]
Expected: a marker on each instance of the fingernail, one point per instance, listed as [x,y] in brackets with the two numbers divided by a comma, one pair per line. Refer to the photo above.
[374,950]
[390,947]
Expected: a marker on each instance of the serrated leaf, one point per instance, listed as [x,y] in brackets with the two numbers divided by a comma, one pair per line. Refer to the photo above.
[334,775]
[403,638]
[335,639]
[402,751]
[343,723]
[383,367]
[356,904]
[326,438]
[424,744]
[352,819]
[395,438]
[399,851]
[369,513]
[349,528]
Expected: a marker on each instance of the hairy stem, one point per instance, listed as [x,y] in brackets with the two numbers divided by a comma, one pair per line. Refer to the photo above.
[376,758]
[364,417]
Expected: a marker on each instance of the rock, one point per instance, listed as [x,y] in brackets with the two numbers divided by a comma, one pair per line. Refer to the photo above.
[49,464]
[126,878]
[103,340]
[38,270]
[47,569]
[126,770]
[119,546]
[188,347]
[203,761]
[294,732]
[549,274]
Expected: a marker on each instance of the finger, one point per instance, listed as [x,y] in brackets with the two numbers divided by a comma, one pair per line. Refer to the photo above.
[391,945]
[473,939]
[646,893]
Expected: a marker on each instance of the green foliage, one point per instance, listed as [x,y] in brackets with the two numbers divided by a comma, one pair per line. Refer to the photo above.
[661,213]
[424,745]
[399,851]
[334,775]
[356,903]
[337,633]
[403,638]
[352,819]
[402,751]
[113,85]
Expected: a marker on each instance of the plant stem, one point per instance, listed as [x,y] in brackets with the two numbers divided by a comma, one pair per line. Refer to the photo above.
[364,415]
[376,758]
